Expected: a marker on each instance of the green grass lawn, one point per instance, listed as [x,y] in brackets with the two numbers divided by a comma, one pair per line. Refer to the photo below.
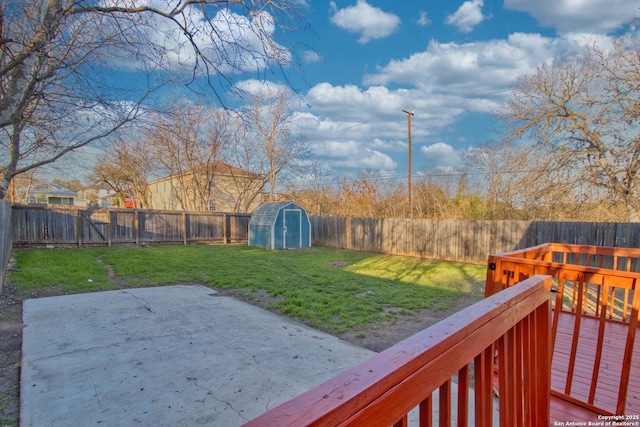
[328,287]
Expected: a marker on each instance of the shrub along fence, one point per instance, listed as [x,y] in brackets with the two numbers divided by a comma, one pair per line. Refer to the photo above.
[463,241]
[5,239]
[39,226]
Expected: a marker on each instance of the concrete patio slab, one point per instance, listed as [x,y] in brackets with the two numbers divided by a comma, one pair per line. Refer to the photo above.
[168,356]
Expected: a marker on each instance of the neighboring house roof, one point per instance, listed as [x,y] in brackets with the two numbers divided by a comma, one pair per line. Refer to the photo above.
[54,190]
[221,168]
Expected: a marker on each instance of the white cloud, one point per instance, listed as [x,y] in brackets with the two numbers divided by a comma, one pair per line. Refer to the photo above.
[441,155]
[347,145]
[352,155]
[355,128]
[234,43]
[423,20]
[378,110]
[475,76]
[310,56]
[368,21]
[337,149]
[389,145]
[467,16]
[260,87]
[367,128]
[583,16]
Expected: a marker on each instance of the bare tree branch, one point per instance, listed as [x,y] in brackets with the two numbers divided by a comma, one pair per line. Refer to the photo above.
[585,115]
[61,60]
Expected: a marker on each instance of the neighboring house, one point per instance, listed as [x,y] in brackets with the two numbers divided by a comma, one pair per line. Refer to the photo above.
[111,199]
[219,187]
[44,193]
[97,196]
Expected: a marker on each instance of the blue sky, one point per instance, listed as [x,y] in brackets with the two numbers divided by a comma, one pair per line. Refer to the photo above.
[451,62]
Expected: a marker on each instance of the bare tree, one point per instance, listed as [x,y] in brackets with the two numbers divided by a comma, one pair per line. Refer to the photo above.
[273,148]
[125,168]
[247,183]
[187,145]
[66,65]
[360,197]
[317,179]
[584,117]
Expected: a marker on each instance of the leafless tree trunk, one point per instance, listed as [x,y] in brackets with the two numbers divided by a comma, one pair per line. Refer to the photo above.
[188,146]
[125,168]
[275,151]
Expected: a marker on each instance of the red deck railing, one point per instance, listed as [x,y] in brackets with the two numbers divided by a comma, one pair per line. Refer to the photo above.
[595,319]
[514,325]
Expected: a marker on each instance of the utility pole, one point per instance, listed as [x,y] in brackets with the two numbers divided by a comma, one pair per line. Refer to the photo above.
[409,188]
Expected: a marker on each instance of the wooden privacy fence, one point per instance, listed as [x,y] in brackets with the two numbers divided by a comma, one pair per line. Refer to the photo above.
[36,226]
[5,238]
[463,241]
[460,241]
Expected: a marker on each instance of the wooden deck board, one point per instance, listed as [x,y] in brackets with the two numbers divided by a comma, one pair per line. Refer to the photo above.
[609,373]
[563,412]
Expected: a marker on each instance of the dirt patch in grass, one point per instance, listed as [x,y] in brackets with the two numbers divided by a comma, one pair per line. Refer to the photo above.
[375,337]
[380,336]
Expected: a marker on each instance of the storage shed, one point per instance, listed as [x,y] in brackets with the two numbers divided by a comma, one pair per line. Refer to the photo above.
[280,225]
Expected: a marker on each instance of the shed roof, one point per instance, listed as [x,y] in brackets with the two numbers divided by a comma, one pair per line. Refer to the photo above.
[267,213]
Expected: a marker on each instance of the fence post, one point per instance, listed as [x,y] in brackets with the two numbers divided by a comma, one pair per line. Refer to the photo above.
[6,236]
[136,227]
[109,227]
[184,227]
[225,218]
[348,232]
[79,227]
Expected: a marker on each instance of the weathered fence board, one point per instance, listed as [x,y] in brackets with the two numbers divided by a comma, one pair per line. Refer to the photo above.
[205,227]
[5,239]
[38,226]
[464,241]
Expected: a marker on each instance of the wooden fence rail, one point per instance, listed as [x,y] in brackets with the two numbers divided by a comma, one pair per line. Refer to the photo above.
[460,241]
[38,226]
[463,241]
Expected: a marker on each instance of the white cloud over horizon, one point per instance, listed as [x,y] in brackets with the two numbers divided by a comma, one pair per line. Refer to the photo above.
[441,156]
[440,84]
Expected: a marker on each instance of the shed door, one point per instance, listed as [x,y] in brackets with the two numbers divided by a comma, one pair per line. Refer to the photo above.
[292,228]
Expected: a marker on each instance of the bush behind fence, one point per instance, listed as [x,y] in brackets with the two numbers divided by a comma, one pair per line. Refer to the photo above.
[463,241]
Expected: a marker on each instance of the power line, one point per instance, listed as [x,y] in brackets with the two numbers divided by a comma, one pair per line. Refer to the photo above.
[331,179]
[350,127]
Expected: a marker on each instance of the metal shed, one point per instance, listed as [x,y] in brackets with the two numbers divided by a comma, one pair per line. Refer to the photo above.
[280,225]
